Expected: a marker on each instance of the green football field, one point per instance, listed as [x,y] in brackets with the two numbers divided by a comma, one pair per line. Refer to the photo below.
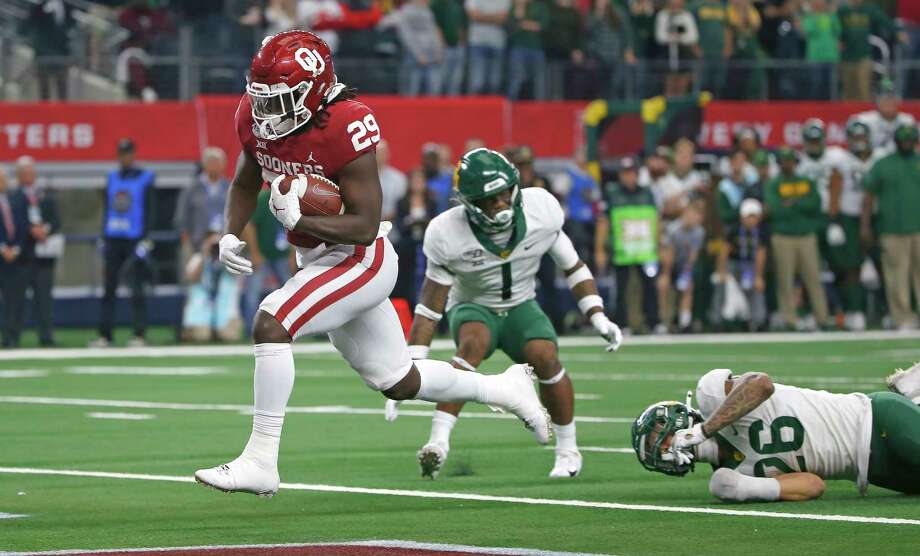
[131,427]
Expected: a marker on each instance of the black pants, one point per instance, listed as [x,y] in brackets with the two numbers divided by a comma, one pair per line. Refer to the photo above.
[649,295]
[119,258]
[12,292]
[40,278]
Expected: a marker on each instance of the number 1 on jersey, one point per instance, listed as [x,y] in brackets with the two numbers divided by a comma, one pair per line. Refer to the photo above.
[506,280]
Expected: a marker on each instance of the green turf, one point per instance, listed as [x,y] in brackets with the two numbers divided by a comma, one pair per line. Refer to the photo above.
[495,457]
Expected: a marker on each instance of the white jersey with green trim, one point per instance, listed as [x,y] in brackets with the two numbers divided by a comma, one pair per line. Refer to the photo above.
[853,170]
[819,170]
[456,258]
[796,429]
[882,130]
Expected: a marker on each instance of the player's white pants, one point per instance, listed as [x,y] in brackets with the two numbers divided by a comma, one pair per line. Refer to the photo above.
[343,291]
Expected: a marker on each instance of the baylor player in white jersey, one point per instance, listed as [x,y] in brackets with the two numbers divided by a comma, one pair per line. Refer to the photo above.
[885,119]
[482,260]
[838,174]
[771,442]
[820,163]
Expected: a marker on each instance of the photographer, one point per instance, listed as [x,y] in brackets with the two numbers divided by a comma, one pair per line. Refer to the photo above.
[676,33]
[212,305]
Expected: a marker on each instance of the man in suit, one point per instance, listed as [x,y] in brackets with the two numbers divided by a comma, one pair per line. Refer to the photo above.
[43,246]
[13,237]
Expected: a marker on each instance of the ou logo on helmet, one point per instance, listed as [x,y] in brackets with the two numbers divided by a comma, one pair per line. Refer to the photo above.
[310,60]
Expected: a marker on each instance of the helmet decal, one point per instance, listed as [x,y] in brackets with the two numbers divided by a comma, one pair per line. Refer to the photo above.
[310,60]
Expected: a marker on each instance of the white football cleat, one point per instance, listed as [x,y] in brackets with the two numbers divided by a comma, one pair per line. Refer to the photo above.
[431,458]
[568,464]
[906,383]
[524,402]
[241,475]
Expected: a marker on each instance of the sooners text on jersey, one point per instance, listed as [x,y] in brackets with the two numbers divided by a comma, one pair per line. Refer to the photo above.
[350,131]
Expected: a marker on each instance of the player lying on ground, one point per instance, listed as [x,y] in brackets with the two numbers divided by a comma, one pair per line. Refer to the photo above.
[482,259]
[297,119]
[771,442]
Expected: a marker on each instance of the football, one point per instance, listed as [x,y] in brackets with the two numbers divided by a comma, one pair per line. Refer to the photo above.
[319,196]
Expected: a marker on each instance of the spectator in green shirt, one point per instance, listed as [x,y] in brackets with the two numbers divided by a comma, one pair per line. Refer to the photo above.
[859,20]
[794,205]
[609,46]
[527,21]
[562,41]
[821,29]
[711,22]
[451,19]
[642,21]
[893,184]
[272,257]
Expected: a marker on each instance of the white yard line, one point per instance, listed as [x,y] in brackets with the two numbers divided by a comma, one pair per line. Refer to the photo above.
[411,545]
[23,373]
[246,409]
[447,344]
[121,416]
[4,515]
[600,449]
[484,497]
[151,371]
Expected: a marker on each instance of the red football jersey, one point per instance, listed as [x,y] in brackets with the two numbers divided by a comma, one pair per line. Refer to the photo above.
[350,131]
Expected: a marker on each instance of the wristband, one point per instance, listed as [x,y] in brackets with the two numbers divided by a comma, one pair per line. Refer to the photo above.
[579,276]
[418,351]
[589,302]
[430,314]
[599,320]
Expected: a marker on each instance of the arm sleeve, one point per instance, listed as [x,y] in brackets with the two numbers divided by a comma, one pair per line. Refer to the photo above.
[436,269]
[710,390]
[563,252]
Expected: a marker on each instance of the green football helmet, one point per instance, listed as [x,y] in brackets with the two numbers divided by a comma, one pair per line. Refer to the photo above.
[483,173]
[858,137]
[663,419]
[905,137]
[813,135]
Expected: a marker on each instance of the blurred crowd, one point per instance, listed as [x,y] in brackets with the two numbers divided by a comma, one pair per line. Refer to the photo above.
[825,237]
[778,49]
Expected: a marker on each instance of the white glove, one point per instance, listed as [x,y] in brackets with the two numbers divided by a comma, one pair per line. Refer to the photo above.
[685,439]
[230,249]
[836,235]
[608,330]
[285,207]
[682,457]
[391,410]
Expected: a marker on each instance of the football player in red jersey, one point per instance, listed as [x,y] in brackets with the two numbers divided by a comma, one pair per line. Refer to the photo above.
[296,119]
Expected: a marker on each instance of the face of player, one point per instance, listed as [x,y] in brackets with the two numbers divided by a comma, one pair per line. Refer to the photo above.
[888,106]
[763,172]
[814,148]
[788,166]
[495,204]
